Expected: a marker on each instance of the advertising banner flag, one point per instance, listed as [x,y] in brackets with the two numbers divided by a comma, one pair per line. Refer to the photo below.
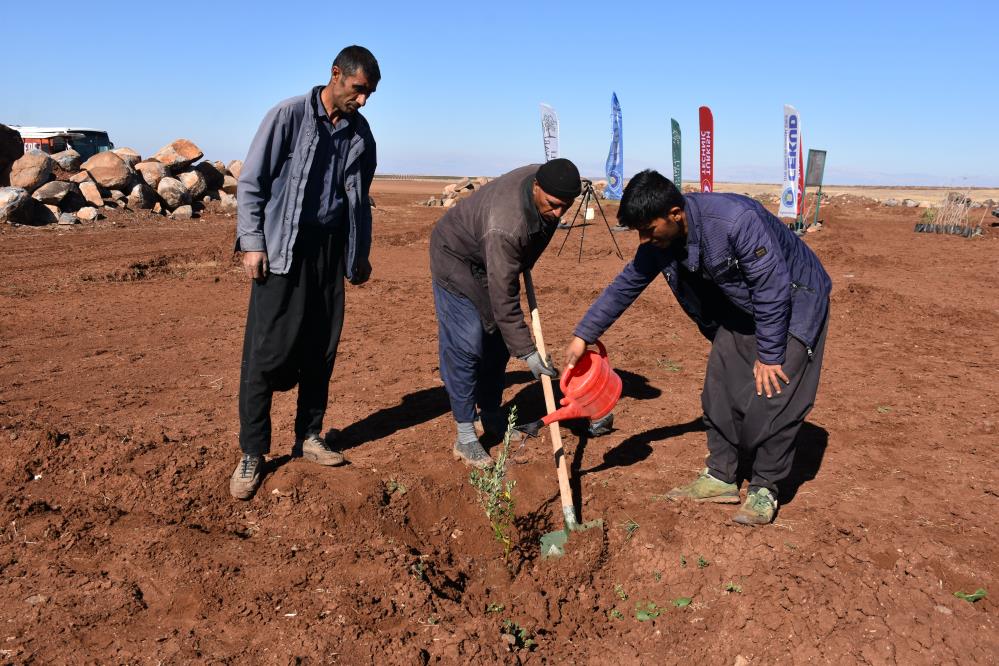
[615,157]
[677,177]
[549,131]
[707,126]
[790,194]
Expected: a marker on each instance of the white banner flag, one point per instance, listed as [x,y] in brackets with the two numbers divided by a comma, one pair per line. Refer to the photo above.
[790,193]
[549,131]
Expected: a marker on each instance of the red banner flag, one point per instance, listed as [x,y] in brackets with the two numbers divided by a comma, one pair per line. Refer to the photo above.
[707,123]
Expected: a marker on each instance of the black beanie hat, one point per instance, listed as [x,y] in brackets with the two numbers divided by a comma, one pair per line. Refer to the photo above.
[559,178]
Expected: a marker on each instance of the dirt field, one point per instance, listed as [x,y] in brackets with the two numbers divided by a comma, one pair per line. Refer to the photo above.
[119,362]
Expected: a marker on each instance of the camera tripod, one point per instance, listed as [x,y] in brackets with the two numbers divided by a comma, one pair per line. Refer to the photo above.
[588,196]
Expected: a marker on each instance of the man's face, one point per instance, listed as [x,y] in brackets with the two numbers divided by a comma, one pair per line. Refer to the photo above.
[550,208]
[664,231]
[349,93]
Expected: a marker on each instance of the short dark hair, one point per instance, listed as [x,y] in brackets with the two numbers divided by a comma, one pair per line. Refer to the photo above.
[355,57]
[649,195]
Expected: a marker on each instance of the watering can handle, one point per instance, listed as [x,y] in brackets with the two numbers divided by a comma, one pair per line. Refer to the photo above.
[563,382]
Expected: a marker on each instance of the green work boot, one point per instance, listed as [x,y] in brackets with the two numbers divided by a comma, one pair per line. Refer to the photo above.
[758,509]
[706,488]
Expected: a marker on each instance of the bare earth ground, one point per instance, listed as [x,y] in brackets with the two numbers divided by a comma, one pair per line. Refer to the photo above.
[119,543]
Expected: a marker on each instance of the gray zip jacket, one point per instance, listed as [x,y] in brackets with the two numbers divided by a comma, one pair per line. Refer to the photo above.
[482,245]
[272,184]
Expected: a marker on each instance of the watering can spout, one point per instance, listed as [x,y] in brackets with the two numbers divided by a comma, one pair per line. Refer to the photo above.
[570,410]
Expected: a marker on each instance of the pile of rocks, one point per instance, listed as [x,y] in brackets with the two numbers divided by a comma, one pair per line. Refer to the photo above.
[453,191]
[59,188]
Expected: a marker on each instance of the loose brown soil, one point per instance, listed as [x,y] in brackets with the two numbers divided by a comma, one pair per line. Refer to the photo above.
[119,543]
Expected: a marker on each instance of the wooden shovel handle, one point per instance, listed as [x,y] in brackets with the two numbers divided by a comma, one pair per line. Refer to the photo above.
[565,491]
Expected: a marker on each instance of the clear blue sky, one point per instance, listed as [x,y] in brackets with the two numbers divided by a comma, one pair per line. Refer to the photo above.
[898,93]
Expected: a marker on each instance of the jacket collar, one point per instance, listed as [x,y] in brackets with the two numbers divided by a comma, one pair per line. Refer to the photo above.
[693,212]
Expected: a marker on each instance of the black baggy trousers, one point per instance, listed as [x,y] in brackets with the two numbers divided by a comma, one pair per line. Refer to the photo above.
[292,331]
[761,428]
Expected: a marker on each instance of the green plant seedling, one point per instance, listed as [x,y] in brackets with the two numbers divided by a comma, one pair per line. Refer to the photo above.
[496,493]
[392,487]
[732,587]
[619,591]
[629,527]
[884,409]
[682,602]
[647,611]
[517,637]
[658,575]
[615,614]
[667,364]
[701,562]
[683,561]
[418,570]
[972,597]
[495,608]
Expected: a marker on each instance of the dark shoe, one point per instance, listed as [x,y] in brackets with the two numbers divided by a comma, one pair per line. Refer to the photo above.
[706,488]
[246,478]
[493,426]
[316,449]
[758,509]
[601,427]
[471,453]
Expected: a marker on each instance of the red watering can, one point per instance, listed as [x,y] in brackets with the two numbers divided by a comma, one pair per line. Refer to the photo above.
[591,389]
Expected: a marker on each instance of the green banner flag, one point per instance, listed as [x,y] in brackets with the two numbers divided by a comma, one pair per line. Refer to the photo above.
[677,177]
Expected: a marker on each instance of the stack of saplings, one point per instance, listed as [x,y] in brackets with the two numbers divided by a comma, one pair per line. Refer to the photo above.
[59,188]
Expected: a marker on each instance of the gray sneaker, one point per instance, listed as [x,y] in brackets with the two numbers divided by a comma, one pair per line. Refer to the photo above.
[706,488]
[246,478]
[315,448]
[471,453]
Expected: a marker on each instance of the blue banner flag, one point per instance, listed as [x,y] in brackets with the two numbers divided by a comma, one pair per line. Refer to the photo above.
[615,158]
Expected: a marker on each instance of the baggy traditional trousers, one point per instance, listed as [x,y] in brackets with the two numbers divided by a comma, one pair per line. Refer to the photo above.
[739,420]
[472,361]
[292,332]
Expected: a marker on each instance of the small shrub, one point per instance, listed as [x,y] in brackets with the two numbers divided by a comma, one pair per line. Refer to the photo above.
[496,492]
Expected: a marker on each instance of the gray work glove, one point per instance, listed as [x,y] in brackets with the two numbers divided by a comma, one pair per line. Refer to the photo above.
[539,367]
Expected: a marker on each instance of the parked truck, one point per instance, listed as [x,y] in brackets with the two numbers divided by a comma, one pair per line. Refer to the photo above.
[88,142]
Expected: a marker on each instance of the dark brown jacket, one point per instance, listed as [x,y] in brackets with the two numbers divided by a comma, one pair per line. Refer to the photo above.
[482,245]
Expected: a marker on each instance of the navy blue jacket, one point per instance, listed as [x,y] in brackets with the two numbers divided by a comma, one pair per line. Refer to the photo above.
[740,265]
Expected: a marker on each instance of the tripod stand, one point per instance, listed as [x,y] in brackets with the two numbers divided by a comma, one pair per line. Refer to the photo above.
[588,196]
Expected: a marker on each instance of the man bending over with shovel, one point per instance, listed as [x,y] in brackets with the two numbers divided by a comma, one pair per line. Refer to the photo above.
[478,251]
[760,295]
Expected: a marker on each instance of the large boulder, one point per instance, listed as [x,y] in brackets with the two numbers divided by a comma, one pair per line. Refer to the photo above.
[235,168]
[152,172]
[54,192]
[182,213]
[92,193]
[32,170]
[128,155]
[11,148]
[12,203]
[81,177]
[141,197]
[173,193]
[194,182]
[87,213]
[229,185]
[68,160]
[178,155]
[227,203]
[109,170]
[213,177]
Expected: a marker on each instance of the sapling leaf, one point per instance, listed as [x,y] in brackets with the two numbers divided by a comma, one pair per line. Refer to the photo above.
[682,602]
[972,597]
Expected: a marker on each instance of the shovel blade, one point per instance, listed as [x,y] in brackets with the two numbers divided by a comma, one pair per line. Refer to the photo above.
[531,429]
[553,543]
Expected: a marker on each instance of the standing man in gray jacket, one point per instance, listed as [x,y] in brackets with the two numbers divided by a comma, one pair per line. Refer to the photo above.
[477,252]
[304,224]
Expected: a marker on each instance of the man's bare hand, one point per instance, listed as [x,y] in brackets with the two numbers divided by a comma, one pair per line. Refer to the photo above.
[363,272]
[767,378]
[573,351]
[255,265]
